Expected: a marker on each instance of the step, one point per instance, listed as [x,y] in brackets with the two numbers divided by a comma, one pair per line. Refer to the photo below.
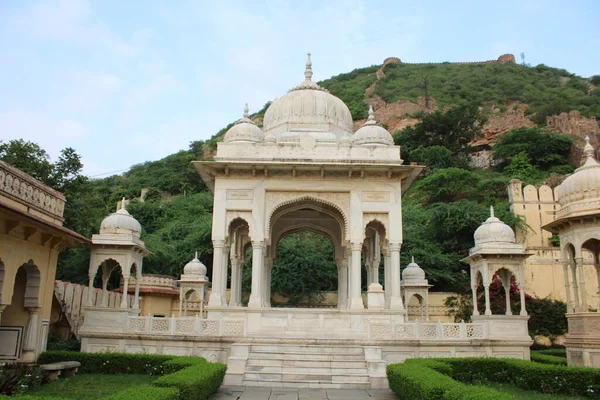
[306,376]
[316,384]
[280,362]
[306,349]
[305,356]
[322,370]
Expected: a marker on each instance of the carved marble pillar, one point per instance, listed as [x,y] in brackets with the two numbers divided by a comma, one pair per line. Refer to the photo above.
[2,307]
[396,297]
[256,295]
[507,298]
[225,266]
[598,278]
[387,276]
[565,264]
[342,265]
[355,299]
[138,279]
[577,306]
[216,298]
[267,282]
[91,290]
[488,310]
[33,327]
[236,282]
[105,276]
[579,266]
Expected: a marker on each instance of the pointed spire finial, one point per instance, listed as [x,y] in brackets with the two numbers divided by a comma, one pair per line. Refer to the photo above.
[246,111]
[413,259]
[588,149]
[492,211]
[196,255]
[308,71]
[371,113]
[123,203]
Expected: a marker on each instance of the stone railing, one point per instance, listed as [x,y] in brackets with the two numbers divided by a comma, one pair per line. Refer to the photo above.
[153,280]
[36,197]
[427,330]
[186,326]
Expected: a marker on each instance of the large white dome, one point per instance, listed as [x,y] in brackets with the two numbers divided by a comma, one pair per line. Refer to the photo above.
[308,109]
[121,222]
[583,185]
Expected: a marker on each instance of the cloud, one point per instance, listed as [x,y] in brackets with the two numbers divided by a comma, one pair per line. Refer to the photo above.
[51,134]
[70,21]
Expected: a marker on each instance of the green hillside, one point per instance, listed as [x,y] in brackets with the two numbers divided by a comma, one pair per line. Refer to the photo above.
[441,211]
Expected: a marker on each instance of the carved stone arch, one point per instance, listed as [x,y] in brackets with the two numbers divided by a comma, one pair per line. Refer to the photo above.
[246,216]
[505,272]
[568,249]
[342,208]
[337,247]
[418,296]
[380,223]
[32,285]
[590,237]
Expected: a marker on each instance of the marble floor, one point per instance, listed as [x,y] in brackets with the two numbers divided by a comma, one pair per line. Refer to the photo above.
[266,393]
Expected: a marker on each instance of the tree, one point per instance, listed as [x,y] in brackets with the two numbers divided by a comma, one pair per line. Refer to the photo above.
[453,129]
[29,157]
[544,149]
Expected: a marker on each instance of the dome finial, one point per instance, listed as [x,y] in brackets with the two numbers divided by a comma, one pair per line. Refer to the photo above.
[492,211]
[588,149]
[196,255]
[413,259]
[246,111]
[308,71]
[371,113]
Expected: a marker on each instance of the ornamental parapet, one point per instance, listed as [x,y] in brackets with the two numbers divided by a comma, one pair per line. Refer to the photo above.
[30,195]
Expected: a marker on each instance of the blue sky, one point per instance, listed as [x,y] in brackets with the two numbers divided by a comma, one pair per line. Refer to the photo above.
[124,82]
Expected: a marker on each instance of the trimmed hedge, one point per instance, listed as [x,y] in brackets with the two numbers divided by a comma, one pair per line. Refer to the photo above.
[146,392]
[538,357]
[182,377]
[418,379]
[110,363]
[198,381]
[544,378]
[553,352]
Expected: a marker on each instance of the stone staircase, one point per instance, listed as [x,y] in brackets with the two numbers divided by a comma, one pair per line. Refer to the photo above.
[307,366]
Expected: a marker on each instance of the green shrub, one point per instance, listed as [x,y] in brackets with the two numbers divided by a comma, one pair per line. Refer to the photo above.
[37,398]
[110,363]
[146,393]
[539,357]
[545,378]
[557,352]
[428,380]
[17,378]
[197,381]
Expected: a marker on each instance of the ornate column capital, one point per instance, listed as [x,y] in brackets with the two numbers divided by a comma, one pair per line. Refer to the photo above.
[34,310]
[356,246]
[218,243]
[394,247]
[258,245]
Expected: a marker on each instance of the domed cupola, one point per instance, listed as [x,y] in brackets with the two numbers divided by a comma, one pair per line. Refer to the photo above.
[494,231]
[308,110]
[194,270]
[413,275]
[372,133]
[244,131]
[121,222]
[583,186]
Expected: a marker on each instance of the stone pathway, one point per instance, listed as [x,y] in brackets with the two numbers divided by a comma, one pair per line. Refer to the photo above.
[267,393]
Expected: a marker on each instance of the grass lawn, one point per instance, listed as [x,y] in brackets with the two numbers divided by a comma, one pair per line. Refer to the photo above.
[90,386]
[522,394]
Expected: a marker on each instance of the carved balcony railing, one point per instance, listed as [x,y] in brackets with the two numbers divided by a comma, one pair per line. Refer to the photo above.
[427,331]
[186,326]
[36,197]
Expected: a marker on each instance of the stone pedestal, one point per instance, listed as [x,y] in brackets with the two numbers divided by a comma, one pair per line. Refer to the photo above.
[375,297]
[583,340]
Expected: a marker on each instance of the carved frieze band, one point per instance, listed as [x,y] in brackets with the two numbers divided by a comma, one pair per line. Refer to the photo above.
[30,192]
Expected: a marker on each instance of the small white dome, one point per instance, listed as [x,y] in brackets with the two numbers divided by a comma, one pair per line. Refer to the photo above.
[584,184]
[372,134]
[244,131]
[494,231]
[121,222]
[413,275]
[310,110]
[195,268]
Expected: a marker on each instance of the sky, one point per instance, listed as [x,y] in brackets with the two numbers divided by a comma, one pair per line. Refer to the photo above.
[123,82]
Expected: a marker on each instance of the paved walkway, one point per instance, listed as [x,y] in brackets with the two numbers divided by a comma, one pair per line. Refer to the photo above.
[266,393]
